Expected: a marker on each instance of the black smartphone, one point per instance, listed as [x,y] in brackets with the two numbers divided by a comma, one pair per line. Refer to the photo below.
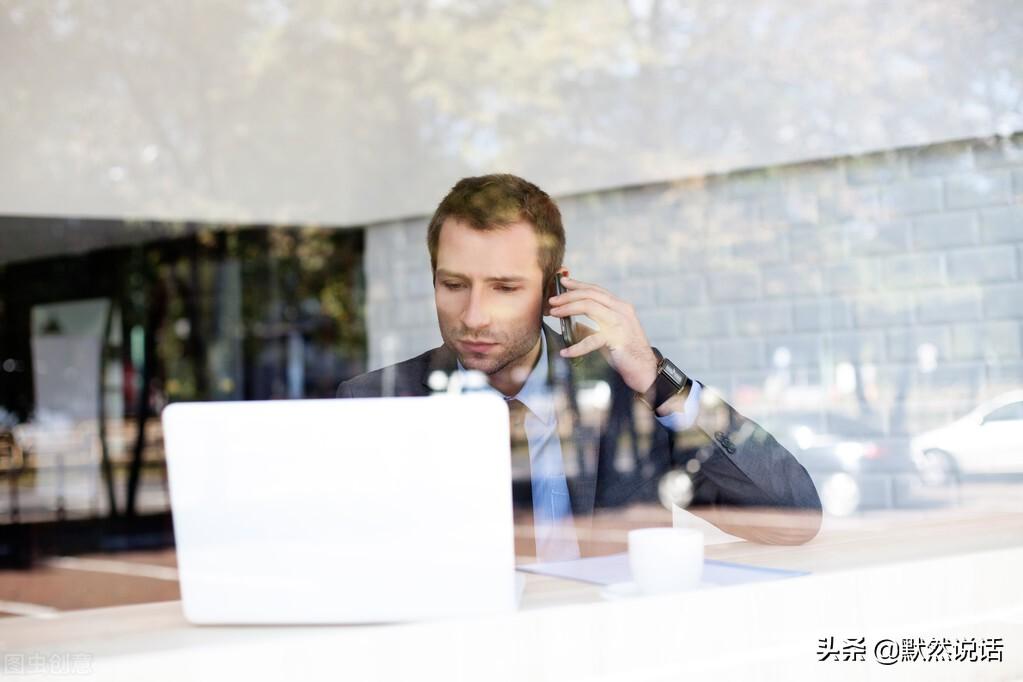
[567,326]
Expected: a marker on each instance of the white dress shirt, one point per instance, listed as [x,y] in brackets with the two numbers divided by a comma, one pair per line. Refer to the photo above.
[552,509]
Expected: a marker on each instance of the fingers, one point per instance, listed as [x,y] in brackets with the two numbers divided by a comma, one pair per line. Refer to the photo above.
[598,312]
[578,291]
[575,285]
[605,299]
[620,337]
[587,345]
[583,330]
[572,284]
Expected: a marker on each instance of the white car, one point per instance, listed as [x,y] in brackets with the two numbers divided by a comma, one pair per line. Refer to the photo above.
[989,440]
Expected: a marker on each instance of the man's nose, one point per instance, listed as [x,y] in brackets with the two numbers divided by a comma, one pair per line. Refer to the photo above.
[476,314]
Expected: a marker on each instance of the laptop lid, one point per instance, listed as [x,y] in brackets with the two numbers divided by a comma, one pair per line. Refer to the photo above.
[342,511]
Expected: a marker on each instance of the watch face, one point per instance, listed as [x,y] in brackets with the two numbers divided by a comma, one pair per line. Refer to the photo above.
[673,373]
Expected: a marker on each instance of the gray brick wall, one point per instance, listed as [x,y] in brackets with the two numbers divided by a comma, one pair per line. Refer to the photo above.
[763,282]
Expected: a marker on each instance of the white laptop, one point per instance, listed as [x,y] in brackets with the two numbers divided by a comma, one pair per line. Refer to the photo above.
[342,511]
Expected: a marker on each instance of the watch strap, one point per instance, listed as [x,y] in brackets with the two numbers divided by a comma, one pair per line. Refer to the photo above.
[670,381]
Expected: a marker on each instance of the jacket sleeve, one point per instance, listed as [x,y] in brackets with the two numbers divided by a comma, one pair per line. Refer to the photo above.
[743,466]
[344,390]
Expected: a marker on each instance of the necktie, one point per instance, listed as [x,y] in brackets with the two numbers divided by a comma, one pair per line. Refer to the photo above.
[517,422]
[547,498]
[520,449]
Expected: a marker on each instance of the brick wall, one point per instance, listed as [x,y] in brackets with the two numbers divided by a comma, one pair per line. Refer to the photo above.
[890,282]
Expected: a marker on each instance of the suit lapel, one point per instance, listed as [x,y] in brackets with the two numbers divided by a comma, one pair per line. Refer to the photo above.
[440,359]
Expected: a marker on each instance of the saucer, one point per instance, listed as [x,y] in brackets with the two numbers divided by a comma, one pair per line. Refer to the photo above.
[625,590]
[630,590]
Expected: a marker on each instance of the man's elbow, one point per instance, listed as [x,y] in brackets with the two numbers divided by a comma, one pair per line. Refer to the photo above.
[795,518]
[806,526]
[765,525]
[343,390]
[806,517]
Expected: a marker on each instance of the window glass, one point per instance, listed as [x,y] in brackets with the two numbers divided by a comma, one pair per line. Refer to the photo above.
[1010,412]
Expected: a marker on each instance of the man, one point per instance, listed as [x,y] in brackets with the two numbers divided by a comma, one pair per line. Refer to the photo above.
[496,245]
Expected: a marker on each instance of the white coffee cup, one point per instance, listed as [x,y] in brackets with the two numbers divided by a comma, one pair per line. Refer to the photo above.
[666,559]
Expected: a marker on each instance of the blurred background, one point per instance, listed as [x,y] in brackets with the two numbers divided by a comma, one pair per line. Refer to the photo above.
[817,210]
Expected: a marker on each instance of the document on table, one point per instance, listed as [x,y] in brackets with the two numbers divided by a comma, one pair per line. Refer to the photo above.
[614,568]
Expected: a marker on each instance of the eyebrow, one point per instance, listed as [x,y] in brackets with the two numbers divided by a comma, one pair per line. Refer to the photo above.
[504,278]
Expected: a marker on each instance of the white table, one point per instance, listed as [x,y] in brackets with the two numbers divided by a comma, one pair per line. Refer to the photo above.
[936,576]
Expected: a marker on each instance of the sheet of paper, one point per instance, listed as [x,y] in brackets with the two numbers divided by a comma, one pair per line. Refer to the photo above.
[614,568]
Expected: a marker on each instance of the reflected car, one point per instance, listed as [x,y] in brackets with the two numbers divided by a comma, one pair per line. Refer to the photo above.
[852,463]
[988,440]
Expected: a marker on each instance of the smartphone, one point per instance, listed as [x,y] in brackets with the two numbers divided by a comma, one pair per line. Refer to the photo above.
[567,325]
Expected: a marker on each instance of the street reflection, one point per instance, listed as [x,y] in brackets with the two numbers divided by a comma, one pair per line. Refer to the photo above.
[988,440]
[94,346]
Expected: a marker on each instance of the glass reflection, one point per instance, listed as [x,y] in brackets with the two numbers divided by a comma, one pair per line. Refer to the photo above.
[95,345]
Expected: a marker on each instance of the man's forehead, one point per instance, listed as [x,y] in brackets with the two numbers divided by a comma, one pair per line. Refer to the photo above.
[503,252]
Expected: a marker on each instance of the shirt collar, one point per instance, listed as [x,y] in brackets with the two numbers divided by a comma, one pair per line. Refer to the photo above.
[535,393]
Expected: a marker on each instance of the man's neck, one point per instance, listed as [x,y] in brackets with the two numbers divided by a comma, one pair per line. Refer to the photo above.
[510,379]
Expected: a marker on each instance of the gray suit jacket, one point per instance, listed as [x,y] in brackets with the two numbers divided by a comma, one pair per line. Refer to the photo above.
[741,465]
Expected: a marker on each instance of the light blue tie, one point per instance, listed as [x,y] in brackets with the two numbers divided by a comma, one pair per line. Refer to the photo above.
[552,505]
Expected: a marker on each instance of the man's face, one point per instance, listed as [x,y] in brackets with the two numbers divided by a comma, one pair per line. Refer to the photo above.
[489,293]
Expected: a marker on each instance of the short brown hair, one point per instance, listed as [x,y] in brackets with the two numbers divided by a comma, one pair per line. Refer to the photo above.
[489,202]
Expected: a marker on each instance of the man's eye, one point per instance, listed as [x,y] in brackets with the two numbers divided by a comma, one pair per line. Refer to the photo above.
[507,290]
[453,286]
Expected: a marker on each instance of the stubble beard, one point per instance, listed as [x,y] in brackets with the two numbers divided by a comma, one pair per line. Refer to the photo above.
[514,349]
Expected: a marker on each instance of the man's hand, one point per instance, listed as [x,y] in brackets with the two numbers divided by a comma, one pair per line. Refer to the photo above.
[619,335]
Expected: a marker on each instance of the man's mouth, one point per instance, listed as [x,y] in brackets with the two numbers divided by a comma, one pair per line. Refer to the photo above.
[477,346]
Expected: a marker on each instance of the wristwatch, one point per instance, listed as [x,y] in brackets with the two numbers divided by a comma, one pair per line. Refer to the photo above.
[670,381]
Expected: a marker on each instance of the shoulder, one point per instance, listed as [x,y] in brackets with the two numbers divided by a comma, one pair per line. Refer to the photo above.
[403,378]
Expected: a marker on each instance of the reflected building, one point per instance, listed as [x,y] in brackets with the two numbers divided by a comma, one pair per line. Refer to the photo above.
[95,344]
[829,236]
